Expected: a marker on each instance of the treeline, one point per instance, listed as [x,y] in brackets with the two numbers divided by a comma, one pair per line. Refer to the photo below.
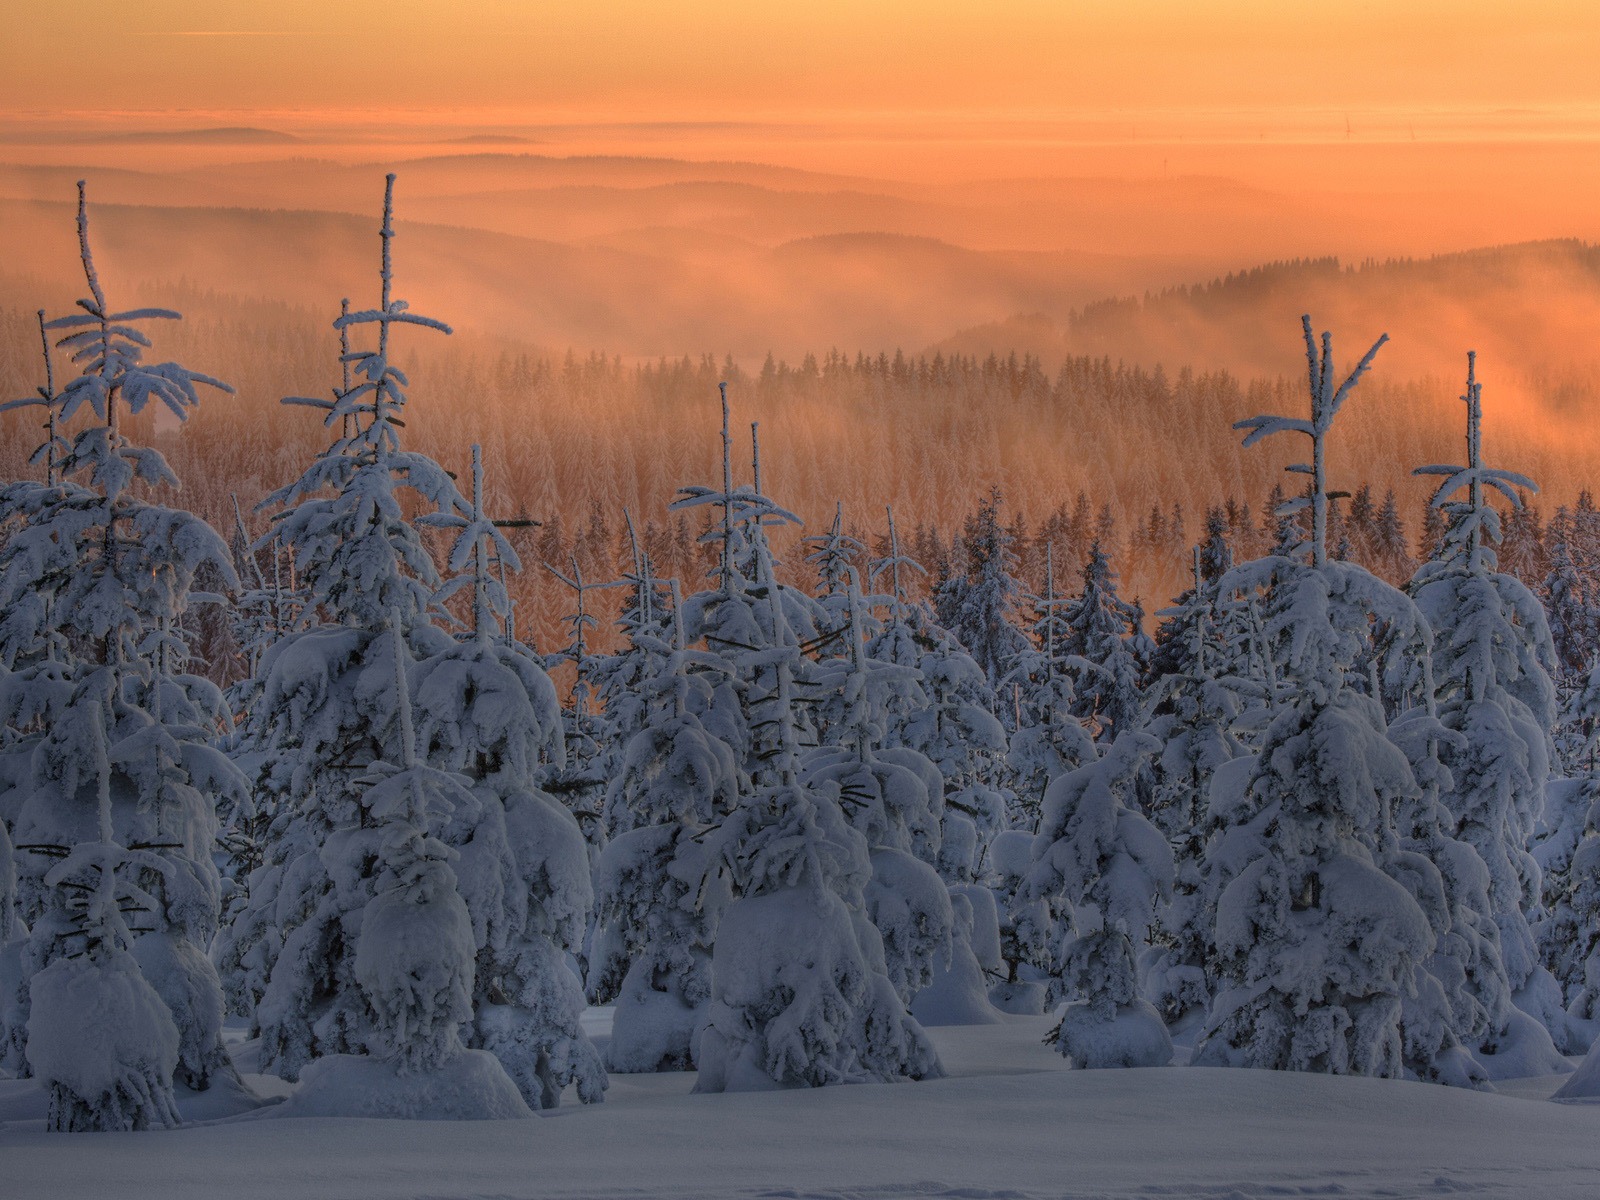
[574,440]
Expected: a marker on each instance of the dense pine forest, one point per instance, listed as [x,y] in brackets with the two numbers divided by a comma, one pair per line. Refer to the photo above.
[457,699]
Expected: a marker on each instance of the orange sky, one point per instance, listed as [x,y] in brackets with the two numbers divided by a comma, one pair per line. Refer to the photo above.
[643,59]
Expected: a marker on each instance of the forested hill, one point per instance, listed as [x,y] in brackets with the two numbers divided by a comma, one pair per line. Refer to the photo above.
[1529,310]
[1139,422]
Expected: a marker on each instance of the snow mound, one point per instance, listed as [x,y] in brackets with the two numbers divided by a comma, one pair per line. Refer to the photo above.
[1024,998]
[1585,1082]
[1133,1037]
[1523,1051]
[470,1087]
[959,993]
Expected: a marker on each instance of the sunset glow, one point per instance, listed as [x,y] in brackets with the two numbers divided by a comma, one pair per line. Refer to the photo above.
[832,58]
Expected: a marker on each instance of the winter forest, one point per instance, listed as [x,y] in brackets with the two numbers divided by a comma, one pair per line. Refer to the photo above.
[779,798]
[356,788]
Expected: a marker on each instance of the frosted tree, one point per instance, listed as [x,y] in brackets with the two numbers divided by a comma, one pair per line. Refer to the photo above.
[484,710]
[54,448]
[676,782]
[327,698]
[580,783]
[833,556]
[1568,601]
[414,957]
[1491,668]
[1048,740]
[1318,946]
[777,1018]
[1113,866]
[414,952]
[957,731]
[1196,708]
[1032,928]
[487,711]
[1461,993]
[889,804]
[113,813]
[647,621]
[978,605]
[737,618]
[1577,917]
[944,731]
[265,609]
[1096,630]
[948,722]
[1566,930]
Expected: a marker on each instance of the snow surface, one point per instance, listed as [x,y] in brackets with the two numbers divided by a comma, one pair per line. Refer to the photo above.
[1011,1121]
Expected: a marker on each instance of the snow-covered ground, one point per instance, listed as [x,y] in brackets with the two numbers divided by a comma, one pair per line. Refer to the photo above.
[1010,1121]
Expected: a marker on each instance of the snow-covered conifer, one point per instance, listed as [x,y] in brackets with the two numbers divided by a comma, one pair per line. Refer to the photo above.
[978,604]
[1097,851]
[800,991]
[1461,993]
[114,812]
[1491,669]
[484,709]
[1196,708]
[1108,675]
[1048,740]
[657,924]
[1031,928]
[414,955]
[889,804]
[327,698]
[1318,946]
[834,556]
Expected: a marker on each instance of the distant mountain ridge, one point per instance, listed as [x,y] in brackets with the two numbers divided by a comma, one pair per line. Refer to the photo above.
[1530,309]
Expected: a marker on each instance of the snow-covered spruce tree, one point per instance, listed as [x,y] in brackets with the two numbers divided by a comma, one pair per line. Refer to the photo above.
[1461,991]
[1097,851]
[1568,930]
[31,664]
[414,952]
[800,991]
[652,954]
[1195,710]
[484,709]
[265,608]
[1096,628]
[114,814]
[1568,602]
[1491,669]
[978,604]
[955,729]
[1578,916]
[888,803]
[580,782]
[1031,928]
[833,557]
[487,711]
[1048,740]
[647,621]
[1317,945]
[734,618]
[327,700]
[945,733]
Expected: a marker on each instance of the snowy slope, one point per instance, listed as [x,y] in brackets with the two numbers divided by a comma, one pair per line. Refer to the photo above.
[1010,1121]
